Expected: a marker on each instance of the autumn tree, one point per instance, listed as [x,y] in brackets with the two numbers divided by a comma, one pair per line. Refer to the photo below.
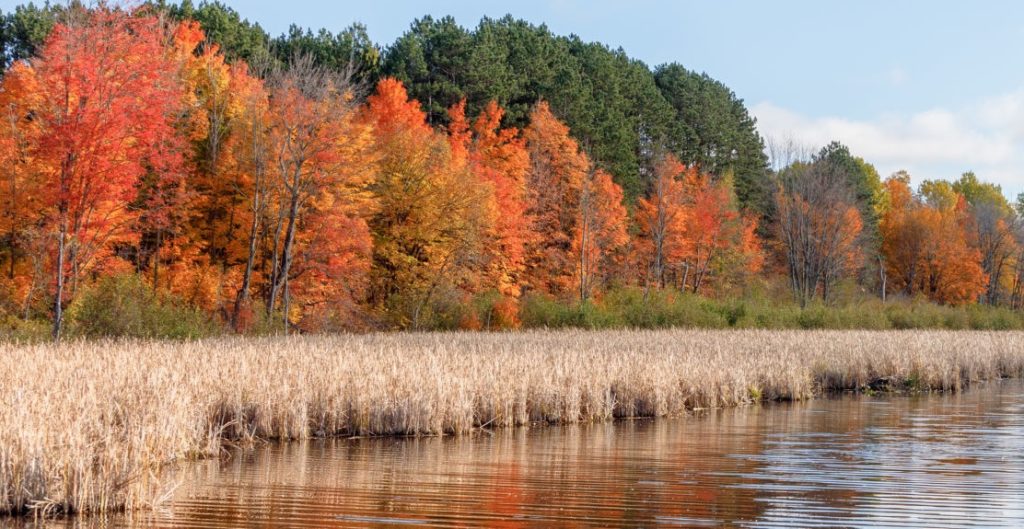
[925,245]
[19,132]
[992,225]
[202,256]
[660,217]
[557,172]
[214,108]
[904,233]
[192,231]
[500,158]
[250,145]
[1017,275]
[165,197]
[600,233]
[321,163]
[106,100]
[427,230]
[818,228]
[717,237]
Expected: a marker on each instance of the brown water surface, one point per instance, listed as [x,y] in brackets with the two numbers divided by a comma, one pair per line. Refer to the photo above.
[853,461]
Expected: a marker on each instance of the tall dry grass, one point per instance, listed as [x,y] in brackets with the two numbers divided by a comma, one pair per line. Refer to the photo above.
[87,427]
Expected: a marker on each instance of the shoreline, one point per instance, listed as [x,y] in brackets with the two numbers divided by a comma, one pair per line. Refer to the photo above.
[90,427]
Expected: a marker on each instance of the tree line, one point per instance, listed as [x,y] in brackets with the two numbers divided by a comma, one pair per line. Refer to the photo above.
[316,182]
[617,107]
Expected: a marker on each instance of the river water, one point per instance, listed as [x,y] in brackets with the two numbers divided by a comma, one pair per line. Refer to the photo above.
[852,461]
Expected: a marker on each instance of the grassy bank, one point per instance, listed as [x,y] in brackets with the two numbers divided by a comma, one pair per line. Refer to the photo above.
[629,308]
[125,306]
[86,427]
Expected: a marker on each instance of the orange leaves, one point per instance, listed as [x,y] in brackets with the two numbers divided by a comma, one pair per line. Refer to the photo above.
[19,201]
[434,211]
[554,186]
[188,35]
[661,217]
[926,247]
[690,226]
[459,136]
[718,241]
[107,100]
[750,246]
[322,164]
[818,229]
[601,233]
[106,90]
[392,112]
[500,161]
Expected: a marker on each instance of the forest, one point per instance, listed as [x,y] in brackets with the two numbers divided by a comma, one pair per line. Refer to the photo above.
[173,170]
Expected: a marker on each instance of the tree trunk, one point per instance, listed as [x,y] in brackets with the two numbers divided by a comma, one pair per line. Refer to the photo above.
[286,251]
[883,277]
[285,304]
[156,258]
[583,267]
[243,292]
[276,265]
[58,304]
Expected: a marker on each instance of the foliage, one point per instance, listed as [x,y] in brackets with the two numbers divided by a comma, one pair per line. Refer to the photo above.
[433,209]
[23,31]
[600,241]
[498,177]
[819,228]
[555,185]
[125,306]
[926,248]
[716,133]
[106,101]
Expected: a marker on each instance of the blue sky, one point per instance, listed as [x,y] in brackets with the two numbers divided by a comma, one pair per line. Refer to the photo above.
[935,87]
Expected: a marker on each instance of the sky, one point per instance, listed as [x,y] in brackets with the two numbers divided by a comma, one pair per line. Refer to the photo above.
[933,87]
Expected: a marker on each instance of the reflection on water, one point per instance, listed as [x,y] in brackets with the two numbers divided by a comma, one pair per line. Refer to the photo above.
[928,461]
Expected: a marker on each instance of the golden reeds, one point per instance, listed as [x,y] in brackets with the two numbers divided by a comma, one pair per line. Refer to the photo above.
[89,426]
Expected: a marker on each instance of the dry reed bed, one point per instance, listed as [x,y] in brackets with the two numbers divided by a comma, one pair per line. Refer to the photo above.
[87,427]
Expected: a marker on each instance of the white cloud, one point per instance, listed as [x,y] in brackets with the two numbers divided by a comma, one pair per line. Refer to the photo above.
[986,137]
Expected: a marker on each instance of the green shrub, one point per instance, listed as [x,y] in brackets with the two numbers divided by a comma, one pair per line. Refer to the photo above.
[729,312]
[125,306]
[14,329]
[538,310]
[993,318]
[544,311]
[629,307]
[920,314]
[950,317]
[815,318]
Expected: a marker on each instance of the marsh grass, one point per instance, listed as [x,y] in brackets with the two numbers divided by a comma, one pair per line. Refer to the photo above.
[89,426]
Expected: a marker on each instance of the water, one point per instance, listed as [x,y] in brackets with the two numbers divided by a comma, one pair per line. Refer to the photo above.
[853,461]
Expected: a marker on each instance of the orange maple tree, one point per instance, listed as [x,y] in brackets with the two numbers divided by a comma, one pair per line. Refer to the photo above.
[716,234]
[323,166]
[433,210]
[601,234]
[501,159]
[926,248]
[106,104]
[558,169]
[661,217]
[20,282]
